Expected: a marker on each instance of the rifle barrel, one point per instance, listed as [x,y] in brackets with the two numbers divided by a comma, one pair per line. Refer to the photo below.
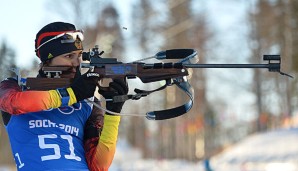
[226,65]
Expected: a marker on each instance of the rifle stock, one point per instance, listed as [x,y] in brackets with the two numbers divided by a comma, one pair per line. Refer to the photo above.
[47,83]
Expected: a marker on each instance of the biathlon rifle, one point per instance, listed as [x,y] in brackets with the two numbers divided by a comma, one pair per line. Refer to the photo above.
[172,73]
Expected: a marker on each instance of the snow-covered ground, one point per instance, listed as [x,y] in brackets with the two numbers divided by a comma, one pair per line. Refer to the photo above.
[271,151]
[129,159]
[156,165]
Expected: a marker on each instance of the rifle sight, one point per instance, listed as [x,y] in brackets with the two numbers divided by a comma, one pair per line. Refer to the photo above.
[94,52]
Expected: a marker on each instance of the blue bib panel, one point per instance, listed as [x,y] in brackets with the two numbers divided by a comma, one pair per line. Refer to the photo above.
[50,140]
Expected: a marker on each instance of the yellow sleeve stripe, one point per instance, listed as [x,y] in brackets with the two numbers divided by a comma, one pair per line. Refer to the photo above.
[109,132]
[72,96]
[56,101]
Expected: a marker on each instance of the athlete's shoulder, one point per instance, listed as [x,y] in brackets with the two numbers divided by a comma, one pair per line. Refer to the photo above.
[9,83]
[13,79]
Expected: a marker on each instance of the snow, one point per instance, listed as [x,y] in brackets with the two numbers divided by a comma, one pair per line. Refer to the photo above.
[269,151]
[155,165]
[264,151]
[130,159]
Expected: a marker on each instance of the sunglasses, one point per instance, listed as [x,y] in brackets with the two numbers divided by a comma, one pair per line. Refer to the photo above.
[67,37]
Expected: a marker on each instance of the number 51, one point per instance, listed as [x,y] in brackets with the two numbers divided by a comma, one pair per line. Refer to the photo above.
[56,147]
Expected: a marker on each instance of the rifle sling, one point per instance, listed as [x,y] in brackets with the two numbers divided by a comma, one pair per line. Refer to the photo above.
[167,113]
[139,93]
[177,111]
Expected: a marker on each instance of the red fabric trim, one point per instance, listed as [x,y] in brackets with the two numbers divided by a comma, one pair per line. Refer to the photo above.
[46,34]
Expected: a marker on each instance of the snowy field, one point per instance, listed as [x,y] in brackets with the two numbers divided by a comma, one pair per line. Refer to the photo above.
[128,159]
[270,151]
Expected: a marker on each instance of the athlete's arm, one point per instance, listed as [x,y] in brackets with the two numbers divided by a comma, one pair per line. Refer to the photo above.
[100,151]
[15,101]
[100,141]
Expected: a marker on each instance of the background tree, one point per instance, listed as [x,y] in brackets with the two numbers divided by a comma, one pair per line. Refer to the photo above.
[292,22]
[180,137]
[81,12]
[272,36]
[148,24]
[7,62]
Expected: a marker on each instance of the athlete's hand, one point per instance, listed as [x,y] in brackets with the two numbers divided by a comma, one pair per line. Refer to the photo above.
[85,85]
[116,87]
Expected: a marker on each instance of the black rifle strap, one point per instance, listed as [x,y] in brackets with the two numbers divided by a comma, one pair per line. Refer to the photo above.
[177,111]
[167,113]
[140,93]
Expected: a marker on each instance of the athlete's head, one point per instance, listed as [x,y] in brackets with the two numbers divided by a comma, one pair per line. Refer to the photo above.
[57,38]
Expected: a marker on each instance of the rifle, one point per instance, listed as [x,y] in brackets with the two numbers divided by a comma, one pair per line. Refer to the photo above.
[172,73]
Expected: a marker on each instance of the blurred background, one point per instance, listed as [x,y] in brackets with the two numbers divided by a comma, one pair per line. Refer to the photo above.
[230,104]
